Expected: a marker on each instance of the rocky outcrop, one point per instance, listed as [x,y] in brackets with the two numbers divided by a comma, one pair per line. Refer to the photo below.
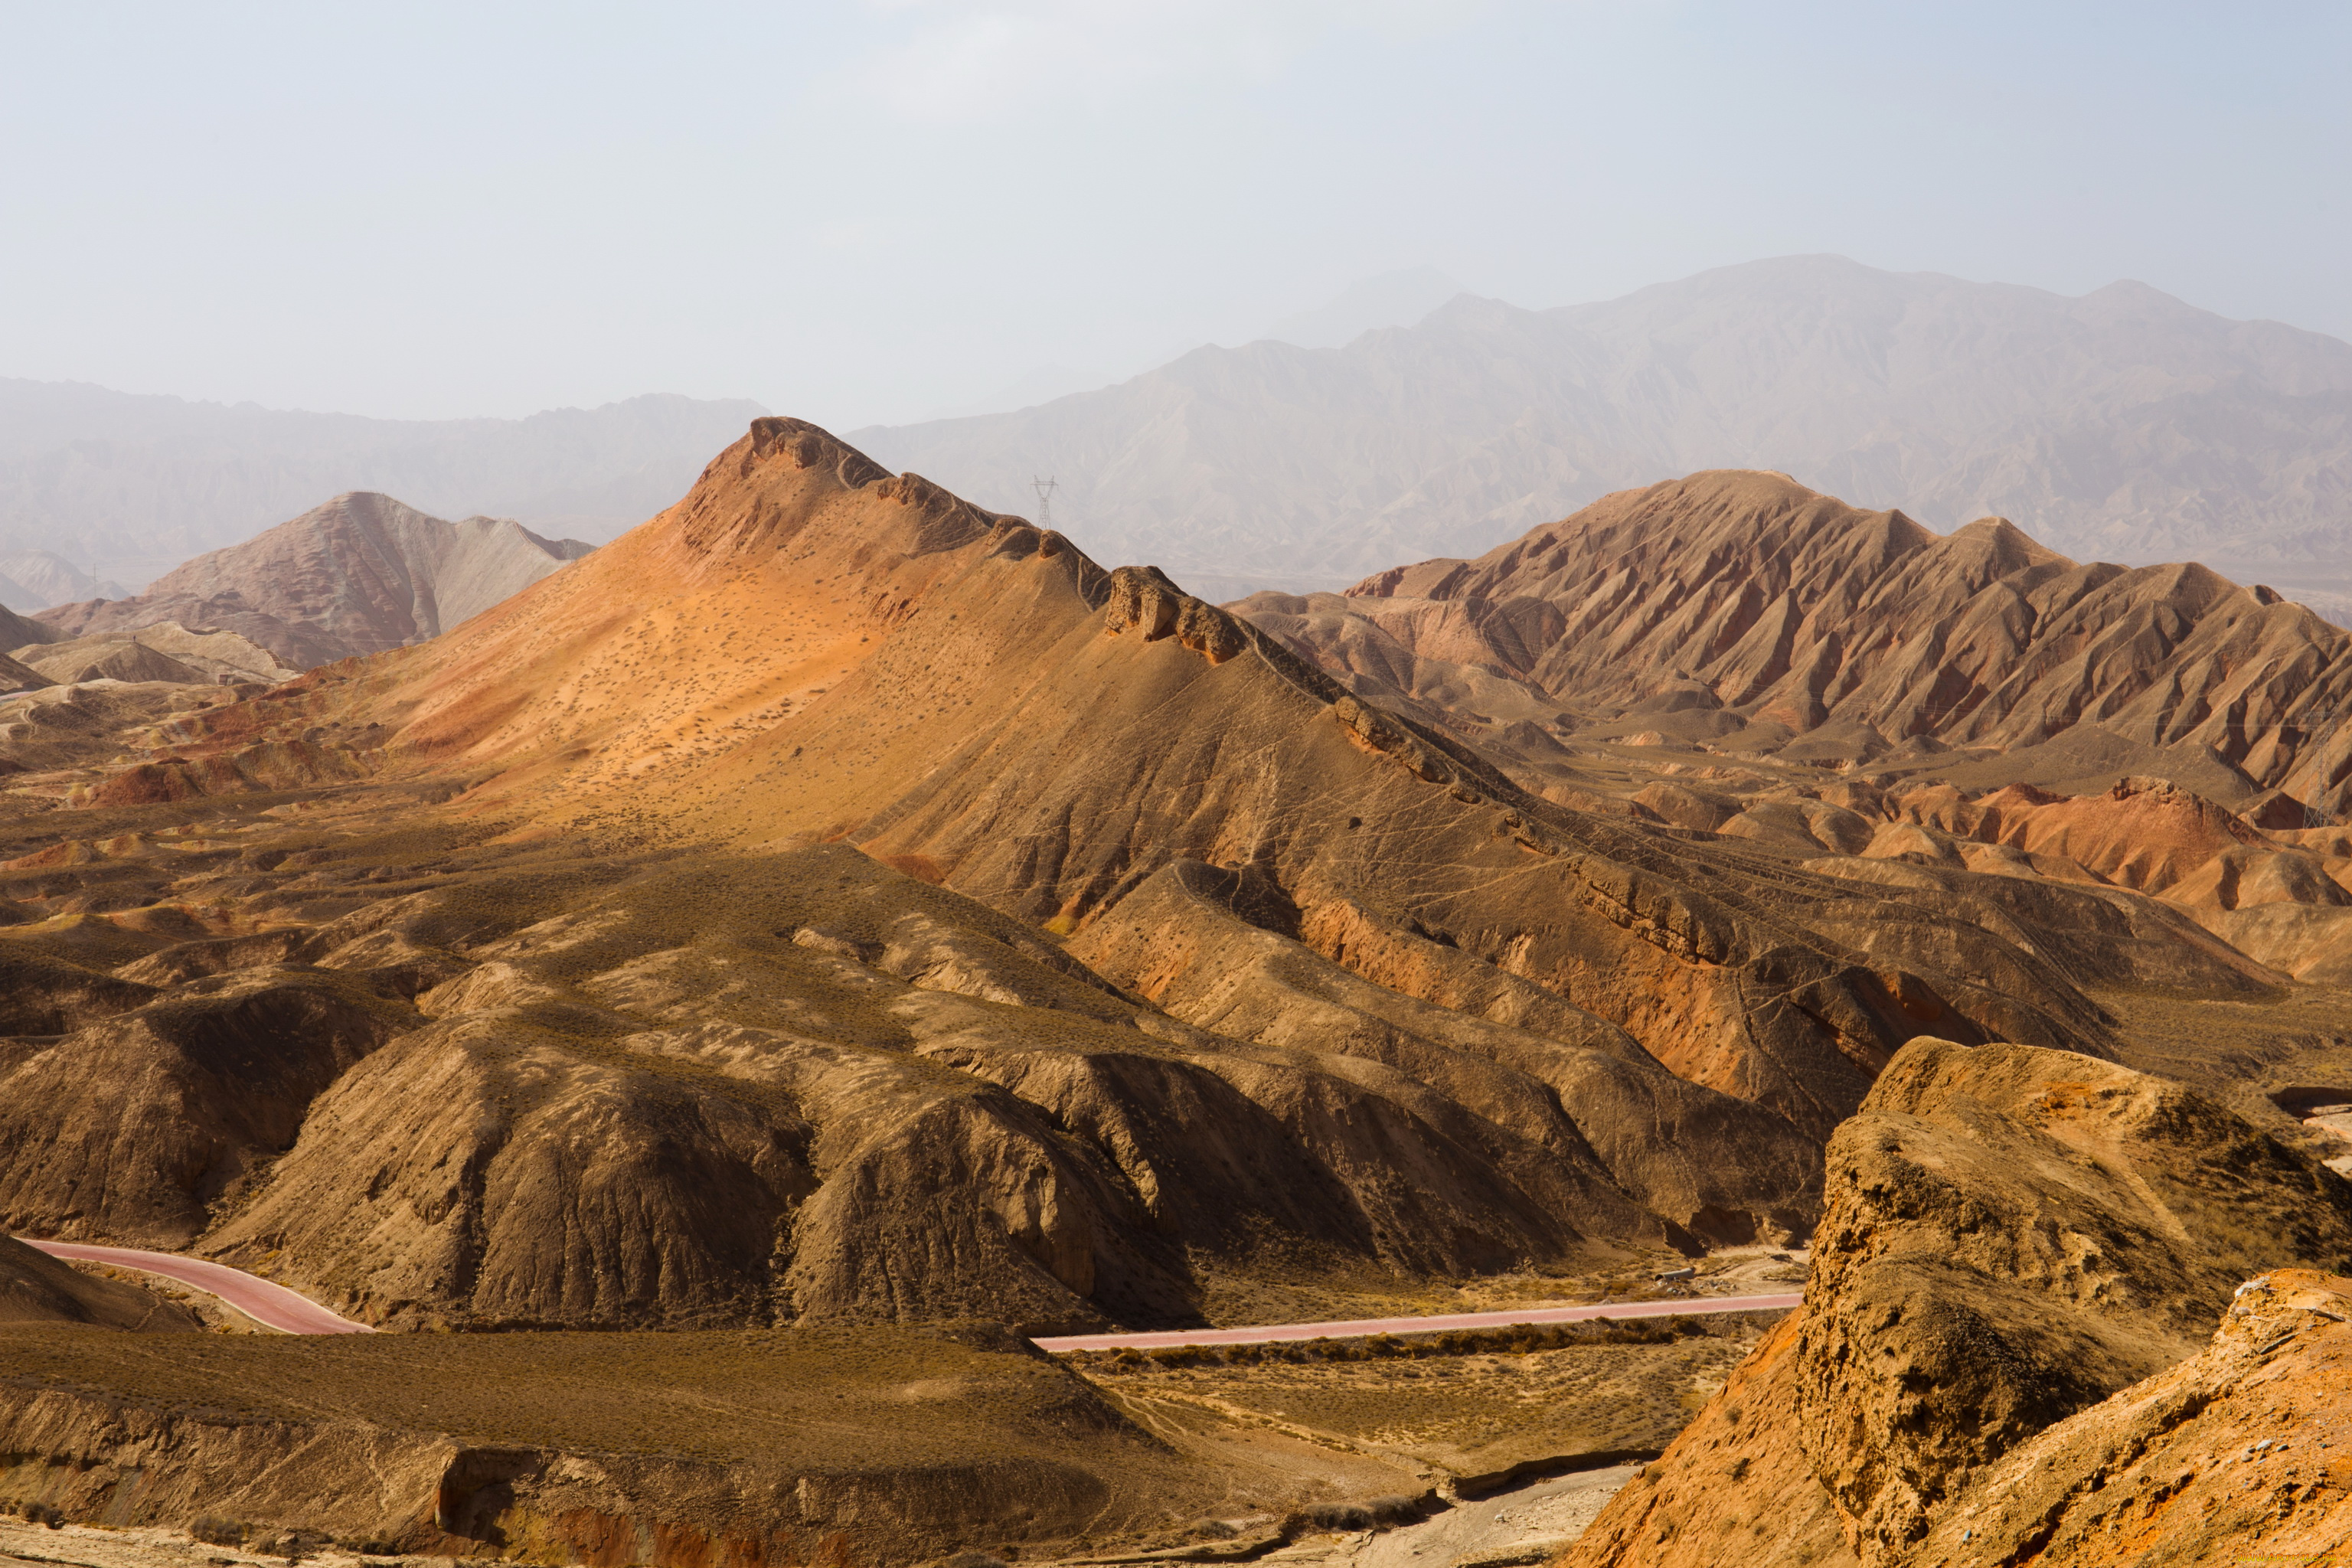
[2238,1450]
[359,574]
[2012,1236]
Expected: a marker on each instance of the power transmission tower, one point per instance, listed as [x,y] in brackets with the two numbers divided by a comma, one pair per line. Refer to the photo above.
[1044,489]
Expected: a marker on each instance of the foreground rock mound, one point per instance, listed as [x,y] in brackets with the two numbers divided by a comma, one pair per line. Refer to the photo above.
[2240,1449]
[357,575]
[1742,609]
[2012,1236]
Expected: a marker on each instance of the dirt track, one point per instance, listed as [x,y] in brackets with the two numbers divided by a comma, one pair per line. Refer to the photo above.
[1357,1327]
[272,1306]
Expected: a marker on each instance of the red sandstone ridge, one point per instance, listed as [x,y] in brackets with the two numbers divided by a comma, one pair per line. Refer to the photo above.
[359,574]
[1742,609]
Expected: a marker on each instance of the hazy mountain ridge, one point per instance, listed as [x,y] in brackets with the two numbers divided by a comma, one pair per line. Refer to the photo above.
[141,483]
[359,574]
[2125,422]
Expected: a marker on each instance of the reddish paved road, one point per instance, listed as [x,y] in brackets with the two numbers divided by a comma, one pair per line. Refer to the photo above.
[1356,1328]
[271,1306]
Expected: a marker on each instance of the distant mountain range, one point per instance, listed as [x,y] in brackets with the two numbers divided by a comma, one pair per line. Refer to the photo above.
[2123,424]
[36,579]
[134,485]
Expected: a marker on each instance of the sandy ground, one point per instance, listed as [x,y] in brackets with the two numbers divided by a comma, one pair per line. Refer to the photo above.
[87,1546]
[1525,1525]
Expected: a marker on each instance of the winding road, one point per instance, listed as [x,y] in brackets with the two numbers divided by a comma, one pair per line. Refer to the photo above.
[271,1306]
[275,1307]
[1355,1328]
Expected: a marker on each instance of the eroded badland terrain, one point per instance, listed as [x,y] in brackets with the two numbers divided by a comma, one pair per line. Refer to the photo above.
[709,1007]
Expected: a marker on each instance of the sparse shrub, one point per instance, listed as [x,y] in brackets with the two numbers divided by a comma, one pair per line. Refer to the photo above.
[1339,1516]
[975,1560]
[1213,1530]
[1403,1508]
[217,1532]
[42,1513]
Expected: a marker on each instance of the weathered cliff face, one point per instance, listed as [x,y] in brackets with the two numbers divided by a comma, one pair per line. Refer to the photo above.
[2012,1236]
[1742,607]
[679,1451]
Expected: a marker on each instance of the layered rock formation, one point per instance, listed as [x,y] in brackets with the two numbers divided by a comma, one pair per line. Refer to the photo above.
[360,575]
[533,1088]
[2011,1237]
[1743,611]
[846,655]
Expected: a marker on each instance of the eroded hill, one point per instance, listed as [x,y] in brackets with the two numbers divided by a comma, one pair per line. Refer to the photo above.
[1743,612]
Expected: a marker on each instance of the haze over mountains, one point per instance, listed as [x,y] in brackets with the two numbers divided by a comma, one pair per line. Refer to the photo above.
[2123,424]
[139,484]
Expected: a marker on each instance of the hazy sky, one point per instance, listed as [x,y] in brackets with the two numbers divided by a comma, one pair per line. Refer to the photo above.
[855,212]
